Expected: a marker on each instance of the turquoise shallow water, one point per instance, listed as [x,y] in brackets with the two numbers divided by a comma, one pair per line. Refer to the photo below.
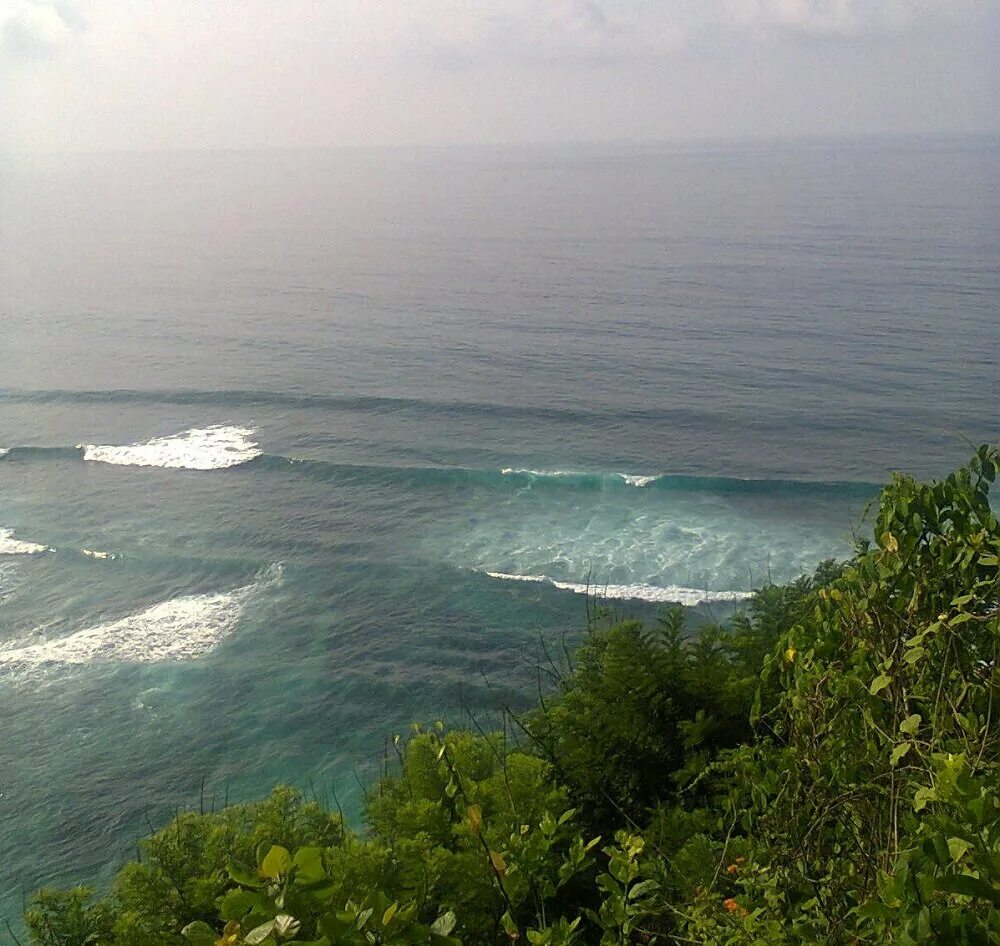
[303,446]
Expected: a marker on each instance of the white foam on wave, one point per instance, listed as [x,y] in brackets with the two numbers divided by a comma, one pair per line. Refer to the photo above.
[516,471]
[11,546]
[200,448]
[104,556]
[631,479]
[184,628]
[4,451]
[638,479]
[668,594]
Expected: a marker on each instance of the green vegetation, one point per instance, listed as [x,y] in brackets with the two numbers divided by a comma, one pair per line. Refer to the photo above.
[823,769]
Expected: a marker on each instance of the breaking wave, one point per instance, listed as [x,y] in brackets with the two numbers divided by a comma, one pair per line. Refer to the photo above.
[669,594]
[220,446]
[183,628]
[11,546]
[200,448]
[577,477]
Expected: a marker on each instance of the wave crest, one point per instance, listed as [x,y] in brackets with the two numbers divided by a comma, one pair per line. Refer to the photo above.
[200,448]
[578,477]
[668,594]
[11,546]
[183,628]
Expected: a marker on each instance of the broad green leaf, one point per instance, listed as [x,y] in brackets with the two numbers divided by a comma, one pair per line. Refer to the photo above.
[874,911]
[276,862]
[259,933]
[309,864]
[879,683]
[914,656]
[911,724]
[642,888]
[969,886]
[200,934]
[237,903]
[899,752]
[444,924]
[958,847]
[245,875]
[509,926]
[922,797]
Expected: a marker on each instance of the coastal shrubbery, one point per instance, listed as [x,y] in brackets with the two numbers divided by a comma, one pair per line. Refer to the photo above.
[825,768]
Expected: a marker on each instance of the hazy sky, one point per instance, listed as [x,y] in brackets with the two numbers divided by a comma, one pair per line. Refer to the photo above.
[142,74]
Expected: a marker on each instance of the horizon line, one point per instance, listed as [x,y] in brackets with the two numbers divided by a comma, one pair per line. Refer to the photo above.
[650,142]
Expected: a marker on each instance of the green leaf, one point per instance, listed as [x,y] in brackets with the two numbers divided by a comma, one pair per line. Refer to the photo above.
[200,934]
[958,847]
[879,683]
[899,752]
[874,911]
[244,875]
[444,924]
[914,656]
[309,862]
[237,903]
[969,886]
[276,862]
[258,934]
[509,926]
[922,797]
[960,619]
[642,888]
[923,924]
[911,724]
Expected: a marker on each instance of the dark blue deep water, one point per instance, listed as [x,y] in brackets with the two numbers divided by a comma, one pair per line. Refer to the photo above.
[284,429]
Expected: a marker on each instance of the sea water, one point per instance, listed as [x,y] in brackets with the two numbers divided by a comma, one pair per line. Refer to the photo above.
[297,447]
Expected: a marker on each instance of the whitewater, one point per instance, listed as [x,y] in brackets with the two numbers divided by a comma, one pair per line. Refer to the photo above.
[183,628]
[201,448]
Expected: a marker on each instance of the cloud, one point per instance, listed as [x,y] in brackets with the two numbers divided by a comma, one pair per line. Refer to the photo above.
[37,28]
[491,33]
[839,18]
[530,32]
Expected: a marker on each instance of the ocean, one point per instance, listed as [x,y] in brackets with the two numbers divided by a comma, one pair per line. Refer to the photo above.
[297,447]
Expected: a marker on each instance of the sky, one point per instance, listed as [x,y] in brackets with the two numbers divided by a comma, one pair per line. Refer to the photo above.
[111,75]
